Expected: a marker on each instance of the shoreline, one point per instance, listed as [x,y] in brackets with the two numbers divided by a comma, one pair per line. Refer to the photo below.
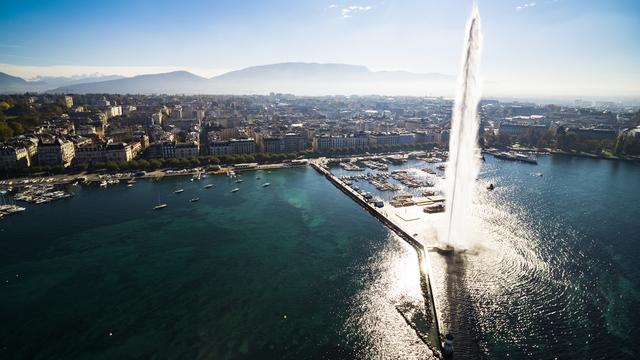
[91,177]
[568,153]
[94,176]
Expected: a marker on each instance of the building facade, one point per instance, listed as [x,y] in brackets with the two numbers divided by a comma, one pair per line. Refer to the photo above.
[58,152]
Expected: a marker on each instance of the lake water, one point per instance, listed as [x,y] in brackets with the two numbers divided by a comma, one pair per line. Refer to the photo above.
[298,270]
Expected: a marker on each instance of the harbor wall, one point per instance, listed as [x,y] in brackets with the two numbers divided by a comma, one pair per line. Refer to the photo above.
[425,280]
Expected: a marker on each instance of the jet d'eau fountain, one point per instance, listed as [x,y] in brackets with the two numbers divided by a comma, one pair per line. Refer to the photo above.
[463,166]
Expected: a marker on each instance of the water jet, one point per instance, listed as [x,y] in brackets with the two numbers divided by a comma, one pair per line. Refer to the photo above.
[463,166]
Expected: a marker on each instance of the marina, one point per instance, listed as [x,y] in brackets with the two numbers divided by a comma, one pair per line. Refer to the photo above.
[40,194]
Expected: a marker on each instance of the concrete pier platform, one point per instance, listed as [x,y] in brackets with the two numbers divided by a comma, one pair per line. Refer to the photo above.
[432,336]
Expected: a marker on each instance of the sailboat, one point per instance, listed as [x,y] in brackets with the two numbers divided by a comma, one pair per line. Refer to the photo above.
[159,206]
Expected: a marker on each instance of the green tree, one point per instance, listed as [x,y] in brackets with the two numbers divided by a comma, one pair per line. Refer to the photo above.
[112,166]
[5,130]
[17,127]
[143,164]
[155,164]
[619,147]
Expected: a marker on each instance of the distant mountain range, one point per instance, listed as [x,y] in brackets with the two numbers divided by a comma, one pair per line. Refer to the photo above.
[295,78]
[13,84]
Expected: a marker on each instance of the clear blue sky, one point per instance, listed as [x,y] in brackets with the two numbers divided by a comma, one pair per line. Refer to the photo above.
[570,46]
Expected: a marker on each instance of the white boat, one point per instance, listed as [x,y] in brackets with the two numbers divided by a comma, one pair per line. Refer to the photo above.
[239,181]
[194,199]
[266,184]
[129,185]
[209,186]
[11,209]
[159,206]
[235,190]
[178,191]
[103,184]
[16,209]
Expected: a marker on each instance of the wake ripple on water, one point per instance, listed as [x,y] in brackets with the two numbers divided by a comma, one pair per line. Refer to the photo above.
[514,294]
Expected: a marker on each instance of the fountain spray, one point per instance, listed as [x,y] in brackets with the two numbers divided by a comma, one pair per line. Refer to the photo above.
[463,166]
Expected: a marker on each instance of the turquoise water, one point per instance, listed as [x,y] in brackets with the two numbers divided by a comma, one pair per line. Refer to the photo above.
[297,270]
[294,270]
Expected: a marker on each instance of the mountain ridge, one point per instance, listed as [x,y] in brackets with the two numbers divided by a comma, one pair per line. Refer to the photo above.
[291,77]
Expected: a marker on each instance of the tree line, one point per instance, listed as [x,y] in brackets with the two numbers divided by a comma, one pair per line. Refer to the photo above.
[150,164]
[566,141]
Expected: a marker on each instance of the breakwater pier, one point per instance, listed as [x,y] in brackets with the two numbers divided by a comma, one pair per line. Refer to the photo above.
[428,330]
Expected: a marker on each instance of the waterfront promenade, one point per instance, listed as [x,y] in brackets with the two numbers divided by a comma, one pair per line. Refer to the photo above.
[90,177]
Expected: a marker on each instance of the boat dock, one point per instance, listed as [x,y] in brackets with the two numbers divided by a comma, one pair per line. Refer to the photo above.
[433,338]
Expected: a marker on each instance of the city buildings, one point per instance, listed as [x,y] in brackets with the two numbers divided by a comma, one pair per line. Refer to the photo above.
[101,128]
[58,152]
[12,157]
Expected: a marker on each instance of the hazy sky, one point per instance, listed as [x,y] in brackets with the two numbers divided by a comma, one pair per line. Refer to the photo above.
[560,47]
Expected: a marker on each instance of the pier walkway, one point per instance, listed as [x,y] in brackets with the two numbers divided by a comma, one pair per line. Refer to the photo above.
[433,338]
